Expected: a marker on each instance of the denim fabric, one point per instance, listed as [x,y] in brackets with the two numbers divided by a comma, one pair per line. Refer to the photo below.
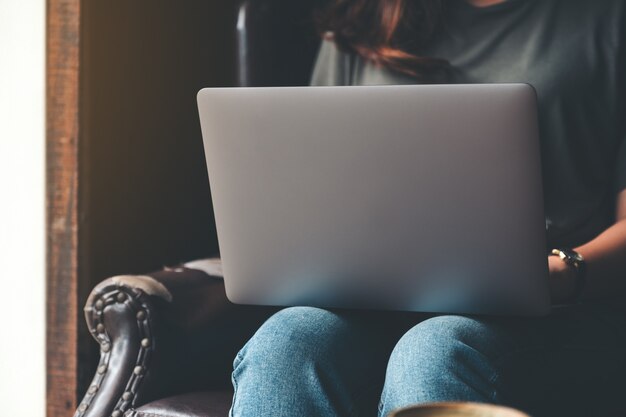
[307,361]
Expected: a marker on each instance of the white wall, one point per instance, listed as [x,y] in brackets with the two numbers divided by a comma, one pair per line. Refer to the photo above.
[22,209]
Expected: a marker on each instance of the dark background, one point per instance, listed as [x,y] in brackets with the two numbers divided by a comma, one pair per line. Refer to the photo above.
[127,188]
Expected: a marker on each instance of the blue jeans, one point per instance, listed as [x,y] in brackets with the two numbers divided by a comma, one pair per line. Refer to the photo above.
[307,361]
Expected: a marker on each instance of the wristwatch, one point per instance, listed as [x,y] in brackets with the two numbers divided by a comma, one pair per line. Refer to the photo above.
[576,261]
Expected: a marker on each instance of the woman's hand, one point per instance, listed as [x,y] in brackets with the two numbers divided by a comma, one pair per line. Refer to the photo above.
[605,260]
[562,280]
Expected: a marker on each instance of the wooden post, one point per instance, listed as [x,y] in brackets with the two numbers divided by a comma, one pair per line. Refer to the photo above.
[62,124]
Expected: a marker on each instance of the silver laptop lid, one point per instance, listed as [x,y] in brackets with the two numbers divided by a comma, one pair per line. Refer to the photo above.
[418,198]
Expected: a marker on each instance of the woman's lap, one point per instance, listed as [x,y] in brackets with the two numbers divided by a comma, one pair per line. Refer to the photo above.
[314,362]
[307,361]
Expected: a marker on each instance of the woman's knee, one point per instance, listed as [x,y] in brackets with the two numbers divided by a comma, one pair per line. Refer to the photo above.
[442,356]
[293,335]
[445,338]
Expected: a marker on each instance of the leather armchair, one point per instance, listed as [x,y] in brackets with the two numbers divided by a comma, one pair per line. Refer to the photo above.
[167,341]
[168,338]
[276,42]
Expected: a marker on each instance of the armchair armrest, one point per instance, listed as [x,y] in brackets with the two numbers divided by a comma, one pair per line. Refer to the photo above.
[163,333]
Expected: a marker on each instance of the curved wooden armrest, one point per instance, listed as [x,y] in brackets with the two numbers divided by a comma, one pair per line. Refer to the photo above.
[162,333]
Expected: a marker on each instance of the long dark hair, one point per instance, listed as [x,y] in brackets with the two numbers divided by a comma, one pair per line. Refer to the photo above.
[389,33]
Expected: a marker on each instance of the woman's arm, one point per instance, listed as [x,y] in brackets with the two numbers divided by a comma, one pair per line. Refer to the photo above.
[605,258]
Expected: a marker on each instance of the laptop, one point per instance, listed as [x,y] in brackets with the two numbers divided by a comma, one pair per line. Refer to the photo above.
[423,198]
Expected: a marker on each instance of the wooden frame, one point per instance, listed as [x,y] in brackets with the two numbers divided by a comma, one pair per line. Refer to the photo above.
[62,131]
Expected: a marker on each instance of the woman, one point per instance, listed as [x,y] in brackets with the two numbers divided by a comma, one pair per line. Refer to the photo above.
[314,362]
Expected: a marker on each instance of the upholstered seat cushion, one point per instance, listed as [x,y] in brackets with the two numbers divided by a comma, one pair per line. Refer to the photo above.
[196,404]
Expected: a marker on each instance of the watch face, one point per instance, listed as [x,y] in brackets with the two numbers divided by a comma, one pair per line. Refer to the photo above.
[572,255]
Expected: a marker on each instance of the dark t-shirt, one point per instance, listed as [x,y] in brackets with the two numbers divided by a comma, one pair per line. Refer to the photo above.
[572,52]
